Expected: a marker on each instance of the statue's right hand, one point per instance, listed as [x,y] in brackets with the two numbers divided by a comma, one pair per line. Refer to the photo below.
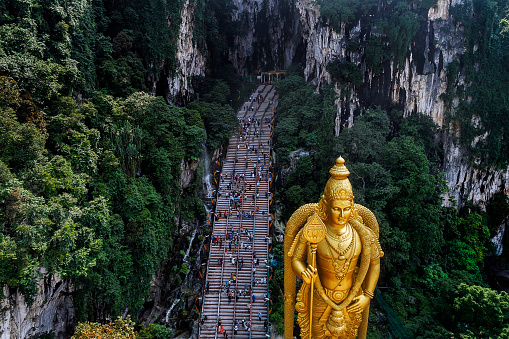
[309,273]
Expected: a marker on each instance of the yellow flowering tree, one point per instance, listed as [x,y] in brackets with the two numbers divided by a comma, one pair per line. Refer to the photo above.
[119,329]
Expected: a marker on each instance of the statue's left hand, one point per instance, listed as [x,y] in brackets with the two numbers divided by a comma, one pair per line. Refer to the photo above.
[358,304]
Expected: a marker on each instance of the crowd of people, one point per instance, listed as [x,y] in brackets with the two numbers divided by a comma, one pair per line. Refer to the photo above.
[247,196]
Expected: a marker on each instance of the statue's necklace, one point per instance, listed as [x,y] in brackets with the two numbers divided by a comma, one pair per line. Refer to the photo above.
[341,238]
[345,238]
[341,270]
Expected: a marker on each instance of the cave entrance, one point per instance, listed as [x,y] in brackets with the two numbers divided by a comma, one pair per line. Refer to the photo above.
[271,76]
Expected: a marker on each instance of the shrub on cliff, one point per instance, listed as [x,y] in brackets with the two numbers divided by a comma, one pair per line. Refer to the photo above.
[119,329]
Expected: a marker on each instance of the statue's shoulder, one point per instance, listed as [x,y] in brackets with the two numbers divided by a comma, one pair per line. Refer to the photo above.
[367,218]
[301,215]
[364,216]
[298,219]
[294,241]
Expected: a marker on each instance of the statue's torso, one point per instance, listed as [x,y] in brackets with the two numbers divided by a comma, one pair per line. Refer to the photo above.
[336,260]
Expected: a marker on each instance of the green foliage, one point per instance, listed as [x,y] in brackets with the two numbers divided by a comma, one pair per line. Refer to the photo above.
[468,247]
[299,115]
[345,72]
[22,144]
[37,76]
[396,177]
[220,122]
[481,307]
[90,188]
[18,39]
[214,30]
[432,273]
[92,198]
[277,315]
[375,55]
[219,93]
[339,11]
[127,143]
[475,233]
[58,47]
[155,331]
[9,261]
[71,137]
[54,177]
[122,76]
[154,26]
[185,268]
[400,30]
[497,210]
[416,207]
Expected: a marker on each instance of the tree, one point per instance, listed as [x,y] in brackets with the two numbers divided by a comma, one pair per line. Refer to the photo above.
[481,307]
[22,144]
[220,122]
[116,330]
[155,331]
[416,208]
[345,72]
[468,249]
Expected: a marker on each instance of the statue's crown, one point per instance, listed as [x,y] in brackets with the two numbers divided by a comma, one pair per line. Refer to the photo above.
[339,170]
[338,186]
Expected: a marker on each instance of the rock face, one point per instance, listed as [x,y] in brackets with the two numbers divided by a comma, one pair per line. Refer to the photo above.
[51,312]
[467,183]
[189,59]
[188,172]
[416,85]
[272,35]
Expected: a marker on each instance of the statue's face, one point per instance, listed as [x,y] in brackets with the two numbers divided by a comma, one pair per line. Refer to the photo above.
[339,212]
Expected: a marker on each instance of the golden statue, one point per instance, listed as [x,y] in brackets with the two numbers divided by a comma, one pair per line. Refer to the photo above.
[323,243]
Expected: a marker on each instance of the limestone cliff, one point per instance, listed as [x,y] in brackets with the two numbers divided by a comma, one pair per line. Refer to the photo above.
[189,59]
[272,35]
[51,311]
[416,86]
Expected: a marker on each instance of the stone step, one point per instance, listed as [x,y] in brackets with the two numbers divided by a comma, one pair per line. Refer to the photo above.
[241,161]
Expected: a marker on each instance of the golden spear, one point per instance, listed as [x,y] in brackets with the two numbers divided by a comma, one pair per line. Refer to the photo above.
[314,232]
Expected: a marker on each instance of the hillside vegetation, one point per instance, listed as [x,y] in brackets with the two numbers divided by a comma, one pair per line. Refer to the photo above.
[90,163]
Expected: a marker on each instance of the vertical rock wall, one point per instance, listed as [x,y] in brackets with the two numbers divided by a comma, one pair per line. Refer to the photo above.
[51,312]
[189,59]
[416,85]
[270,36]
